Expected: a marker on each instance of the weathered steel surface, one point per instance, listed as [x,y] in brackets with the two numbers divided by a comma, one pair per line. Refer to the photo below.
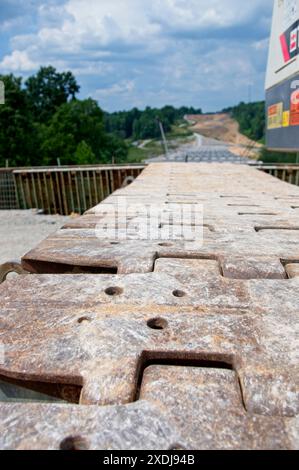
[10,267]
[162,344]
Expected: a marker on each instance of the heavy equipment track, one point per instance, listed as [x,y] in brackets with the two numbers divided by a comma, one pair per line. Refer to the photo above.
[156,343]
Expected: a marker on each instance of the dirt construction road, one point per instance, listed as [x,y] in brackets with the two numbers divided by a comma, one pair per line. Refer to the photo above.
[223,127]
[219,126]
[217,139]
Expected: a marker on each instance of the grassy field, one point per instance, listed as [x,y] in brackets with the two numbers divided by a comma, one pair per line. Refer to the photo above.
[277,157]
[152,149]
[180,131]
[180,134]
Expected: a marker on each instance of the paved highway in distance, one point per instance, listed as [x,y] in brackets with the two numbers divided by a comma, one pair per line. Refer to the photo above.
[203,150]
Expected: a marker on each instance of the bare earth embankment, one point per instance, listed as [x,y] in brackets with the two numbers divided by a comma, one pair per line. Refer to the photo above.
[223,127]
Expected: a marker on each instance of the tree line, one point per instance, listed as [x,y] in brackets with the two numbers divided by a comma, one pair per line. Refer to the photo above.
[251,119]
[141,125]
[43,120]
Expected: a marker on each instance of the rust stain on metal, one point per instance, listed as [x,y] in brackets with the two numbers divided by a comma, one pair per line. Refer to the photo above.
[161,343]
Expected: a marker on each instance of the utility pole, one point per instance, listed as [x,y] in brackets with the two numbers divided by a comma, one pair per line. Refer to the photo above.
[163,137]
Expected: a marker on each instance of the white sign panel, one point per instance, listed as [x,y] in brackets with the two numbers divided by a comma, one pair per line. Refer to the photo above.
[283,59]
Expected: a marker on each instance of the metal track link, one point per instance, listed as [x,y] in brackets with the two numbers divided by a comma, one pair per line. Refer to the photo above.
[156,343]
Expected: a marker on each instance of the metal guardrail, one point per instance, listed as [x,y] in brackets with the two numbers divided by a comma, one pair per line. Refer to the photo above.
[64,190]
[8,193]
[287,173]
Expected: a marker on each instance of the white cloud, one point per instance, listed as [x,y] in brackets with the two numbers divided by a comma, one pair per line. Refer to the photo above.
[115,89]
[137,50]
[119,24]
[202,14]
[261,45]
[112,20]
[18,61]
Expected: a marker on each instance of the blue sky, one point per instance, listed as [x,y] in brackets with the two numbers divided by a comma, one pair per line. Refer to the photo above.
[128,53]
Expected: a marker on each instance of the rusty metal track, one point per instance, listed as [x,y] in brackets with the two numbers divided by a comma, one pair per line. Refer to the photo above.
[160,344]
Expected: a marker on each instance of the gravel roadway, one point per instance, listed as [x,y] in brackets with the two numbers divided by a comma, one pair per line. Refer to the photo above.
[20,231]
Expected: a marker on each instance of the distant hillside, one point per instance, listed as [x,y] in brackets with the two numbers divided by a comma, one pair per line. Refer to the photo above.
[220,126]
[141,125]
[251,119]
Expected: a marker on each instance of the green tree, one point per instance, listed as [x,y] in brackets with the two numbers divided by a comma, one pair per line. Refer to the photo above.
[48,90]
[76,122]
[267,156]
[138,124]
[251,118]
[84,155]
[116,149]
[18,134]
[44,121]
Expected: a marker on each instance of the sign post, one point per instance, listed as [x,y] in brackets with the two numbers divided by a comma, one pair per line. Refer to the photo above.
[2,92]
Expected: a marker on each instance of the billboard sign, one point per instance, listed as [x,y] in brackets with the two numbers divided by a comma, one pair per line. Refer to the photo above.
[282,82]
